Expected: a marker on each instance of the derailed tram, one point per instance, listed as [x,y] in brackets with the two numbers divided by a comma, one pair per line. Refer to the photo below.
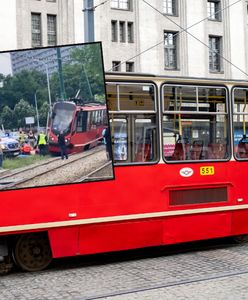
[180,150]
[81,123]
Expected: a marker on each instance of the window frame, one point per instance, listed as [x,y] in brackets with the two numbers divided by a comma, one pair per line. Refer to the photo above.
[120,113]
[122,31]
[174,8]
[172,47]
[228,114]
[210,53]
[34,45]
[214,17]
[118,2]
[130,32]
[55,31]
[232,120]
[114,31]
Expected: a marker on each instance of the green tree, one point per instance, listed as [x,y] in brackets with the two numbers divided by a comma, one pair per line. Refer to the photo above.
[43,112]
[7,118]
[21,111]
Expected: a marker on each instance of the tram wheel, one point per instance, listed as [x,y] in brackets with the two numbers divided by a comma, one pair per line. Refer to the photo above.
[32,252]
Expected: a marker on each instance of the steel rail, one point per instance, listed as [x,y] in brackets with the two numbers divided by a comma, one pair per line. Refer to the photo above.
[24,180]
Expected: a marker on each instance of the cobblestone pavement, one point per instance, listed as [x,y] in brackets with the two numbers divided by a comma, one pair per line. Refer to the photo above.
[209,271]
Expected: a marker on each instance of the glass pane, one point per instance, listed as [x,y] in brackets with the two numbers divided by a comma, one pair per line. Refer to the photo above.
[145,140]
[179,98]
[194,137]
[136,97]
[212,99]
[111,96]
[240,123]
[119,136]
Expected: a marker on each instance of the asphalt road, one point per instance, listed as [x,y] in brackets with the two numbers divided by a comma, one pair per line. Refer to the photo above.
[204,270]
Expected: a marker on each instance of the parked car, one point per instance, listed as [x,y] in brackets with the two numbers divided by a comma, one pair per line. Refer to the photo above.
[10,146]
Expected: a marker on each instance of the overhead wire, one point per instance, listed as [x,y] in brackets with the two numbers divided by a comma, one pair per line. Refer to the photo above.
[184,30]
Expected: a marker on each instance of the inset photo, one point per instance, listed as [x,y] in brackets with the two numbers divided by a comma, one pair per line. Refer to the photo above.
[54,125]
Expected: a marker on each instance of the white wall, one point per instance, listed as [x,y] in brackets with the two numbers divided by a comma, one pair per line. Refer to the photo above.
[8,39]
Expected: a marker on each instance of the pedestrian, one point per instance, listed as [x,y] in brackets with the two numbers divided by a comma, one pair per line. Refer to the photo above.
[108,142]
[22,137]
[42,143]
[1,155]
[31,139]
[62,145]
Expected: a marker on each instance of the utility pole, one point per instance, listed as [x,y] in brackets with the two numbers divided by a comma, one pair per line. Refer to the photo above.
[37,113]
[89,35]
[61,78]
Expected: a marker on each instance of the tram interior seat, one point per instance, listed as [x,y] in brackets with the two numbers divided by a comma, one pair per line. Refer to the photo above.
[181,151]
[242,151]
[143,153]
[196,150]
[216,151]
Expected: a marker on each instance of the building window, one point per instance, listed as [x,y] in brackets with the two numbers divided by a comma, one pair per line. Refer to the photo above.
[122,32]
[170,47]
[169,7]
[116,66]
[120,4]
[129,67]
[214,53]
[51,30]
[36,29]
[214,10]
[130,38]
[114,31]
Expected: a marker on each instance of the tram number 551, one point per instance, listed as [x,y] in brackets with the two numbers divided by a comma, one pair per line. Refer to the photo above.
[207,170]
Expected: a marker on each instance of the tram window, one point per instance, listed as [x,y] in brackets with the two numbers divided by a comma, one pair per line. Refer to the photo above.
[81,121]
[195,130]
[240,123]
[144,140]
[120,139]
[112,97]
[135,138]
[209,97]
[180,98]
[131,97]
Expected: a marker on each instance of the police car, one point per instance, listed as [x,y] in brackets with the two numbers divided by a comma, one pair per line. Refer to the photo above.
[9,145]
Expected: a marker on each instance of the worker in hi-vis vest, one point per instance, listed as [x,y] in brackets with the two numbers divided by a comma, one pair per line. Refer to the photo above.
[42,143]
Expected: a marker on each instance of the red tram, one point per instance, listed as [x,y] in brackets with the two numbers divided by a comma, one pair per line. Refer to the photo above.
[180,154]
[82,125]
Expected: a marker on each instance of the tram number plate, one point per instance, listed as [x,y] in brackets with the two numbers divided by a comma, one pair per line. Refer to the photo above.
[207,170]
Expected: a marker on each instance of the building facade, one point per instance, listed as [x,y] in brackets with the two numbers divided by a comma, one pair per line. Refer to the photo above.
[141,35]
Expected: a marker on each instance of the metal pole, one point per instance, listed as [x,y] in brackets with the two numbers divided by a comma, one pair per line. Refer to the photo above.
[48,87]
[61,79]
[89,35]
[37,113]
[87,79]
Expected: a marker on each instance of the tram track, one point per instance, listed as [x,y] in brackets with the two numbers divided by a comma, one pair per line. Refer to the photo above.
[21,178]
[163,286]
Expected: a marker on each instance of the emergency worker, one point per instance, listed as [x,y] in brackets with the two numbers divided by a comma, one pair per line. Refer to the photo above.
[42,143]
